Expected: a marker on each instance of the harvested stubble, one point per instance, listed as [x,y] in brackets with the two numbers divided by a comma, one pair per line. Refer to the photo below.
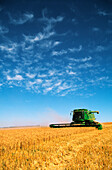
[63,149]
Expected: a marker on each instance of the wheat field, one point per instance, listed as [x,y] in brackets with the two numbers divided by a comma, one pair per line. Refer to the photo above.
[56,149]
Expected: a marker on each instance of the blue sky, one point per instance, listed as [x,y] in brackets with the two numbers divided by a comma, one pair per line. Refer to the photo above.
[55,56]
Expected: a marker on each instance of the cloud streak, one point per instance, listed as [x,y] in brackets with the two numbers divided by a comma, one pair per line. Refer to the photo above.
[22,19]
[17,77]
[70,50]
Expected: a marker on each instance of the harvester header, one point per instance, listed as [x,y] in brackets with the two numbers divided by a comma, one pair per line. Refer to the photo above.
[81,118]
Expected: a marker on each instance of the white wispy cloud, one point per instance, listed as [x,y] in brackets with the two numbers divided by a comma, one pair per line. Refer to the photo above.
[86,59]
[26,46]
[48,44]
[56,43]
[30,84]
[41,39]
[50,22]
[100,48]
[70,50]
[51,86]
[98,80]
[46,90]
[34,85]
[85,65]
[62,87]
[30,75]
[21,19]
[80,59]
[17,77]
[38,81]
[40,36]
[6,72]
[17,71]
[9,47]
[51,72]
[68,91]
[27,62]
[102,78]
[58,53]
[5,48]
[35,38]
[71,72]
[42,75]
[47,83]
[75,49]
[58,83]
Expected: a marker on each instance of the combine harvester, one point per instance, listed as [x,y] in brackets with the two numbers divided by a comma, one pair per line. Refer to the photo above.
[81,118]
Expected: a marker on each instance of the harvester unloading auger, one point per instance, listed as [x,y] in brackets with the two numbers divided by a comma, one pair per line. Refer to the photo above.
[81,118]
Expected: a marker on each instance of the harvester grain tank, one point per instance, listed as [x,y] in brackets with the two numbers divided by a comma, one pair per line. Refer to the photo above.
[81,118]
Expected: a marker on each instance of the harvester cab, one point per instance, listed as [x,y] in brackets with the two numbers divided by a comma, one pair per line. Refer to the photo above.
[81,115]
[85,117]
[81,118]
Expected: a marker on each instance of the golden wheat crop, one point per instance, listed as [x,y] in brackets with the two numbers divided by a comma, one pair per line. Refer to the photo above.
[56,149]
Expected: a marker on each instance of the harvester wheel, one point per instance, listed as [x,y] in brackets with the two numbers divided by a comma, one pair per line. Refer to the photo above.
[100,127]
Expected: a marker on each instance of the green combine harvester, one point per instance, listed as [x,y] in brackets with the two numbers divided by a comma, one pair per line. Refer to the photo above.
[81,118]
